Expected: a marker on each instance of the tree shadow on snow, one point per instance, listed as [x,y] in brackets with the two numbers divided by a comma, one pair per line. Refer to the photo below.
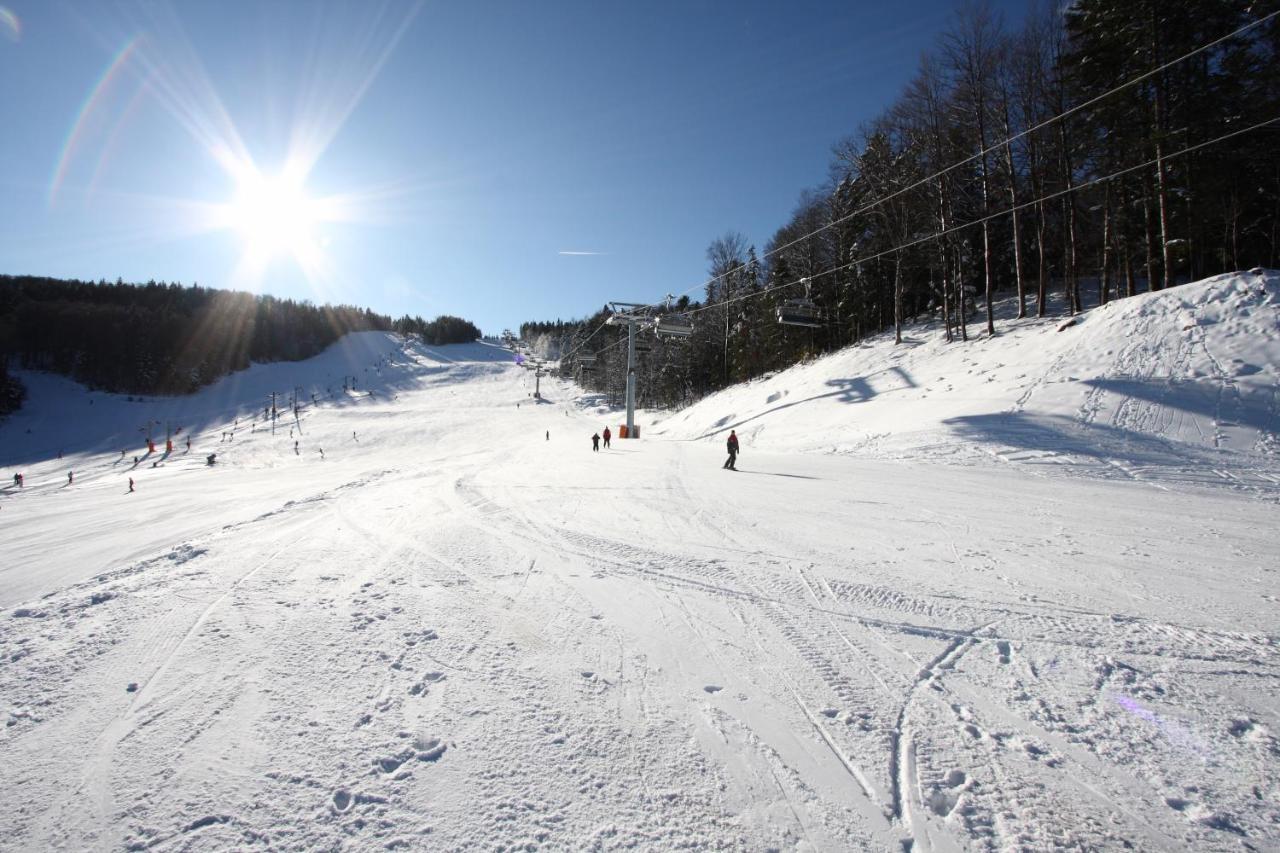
[776,474]
[1023,438]
[1229,404]
[856,390]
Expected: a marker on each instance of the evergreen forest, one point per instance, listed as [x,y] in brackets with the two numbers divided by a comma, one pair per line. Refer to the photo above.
[158,338]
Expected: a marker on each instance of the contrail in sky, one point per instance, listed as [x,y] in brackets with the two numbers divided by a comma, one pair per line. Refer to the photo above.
[566,252]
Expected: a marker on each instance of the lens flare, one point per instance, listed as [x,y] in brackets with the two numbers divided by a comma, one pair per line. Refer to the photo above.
[10,25]
[91,104]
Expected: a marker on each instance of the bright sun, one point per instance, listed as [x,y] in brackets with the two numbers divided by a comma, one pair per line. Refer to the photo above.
[274,215]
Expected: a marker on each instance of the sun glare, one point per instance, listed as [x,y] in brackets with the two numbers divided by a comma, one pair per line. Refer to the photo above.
[274,215]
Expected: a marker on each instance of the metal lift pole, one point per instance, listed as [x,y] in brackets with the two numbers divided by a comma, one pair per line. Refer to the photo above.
[631,378]
[635,316]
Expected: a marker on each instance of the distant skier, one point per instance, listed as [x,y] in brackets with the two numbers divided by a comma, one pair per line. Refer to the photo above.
[732,446]
[71,477]
[130,485]
[548,435]
[607,435]
[321,452]
[595,442]
[17,480]
[210,459]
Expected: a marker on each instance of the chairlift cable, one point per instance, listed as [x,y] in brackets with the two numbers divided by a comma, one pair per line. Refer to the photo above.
[980,220]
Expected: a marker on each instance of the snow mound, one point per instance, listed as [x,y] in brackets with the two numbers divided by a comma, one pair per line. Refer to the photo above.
[1142,383]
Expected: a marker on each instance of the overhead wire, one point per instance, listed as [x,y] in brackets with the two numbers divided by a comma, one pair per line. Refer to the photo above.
[987,218]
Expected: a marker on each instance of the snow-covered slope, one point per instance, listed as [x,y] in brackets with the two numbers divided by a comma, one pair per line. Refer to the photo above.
[1157,382]
[460,628]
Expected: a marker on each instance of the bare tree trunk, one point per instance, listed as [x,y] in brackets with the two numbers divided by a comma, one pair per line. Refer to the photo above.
[1104,280]
[1162,195]
[1149,233]
[1042,284]
[1013,204]
[897,297]
[1069,204]
[986,251]
[946,295]
[1163,206]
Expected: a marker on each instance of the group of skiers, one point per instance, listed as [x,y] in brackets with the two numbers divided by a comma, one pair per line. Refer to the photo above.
[731,444]
[595,439]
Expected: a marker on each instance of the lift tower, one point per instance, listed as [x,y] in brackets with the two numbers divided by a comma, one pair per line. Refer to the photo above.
[634,316]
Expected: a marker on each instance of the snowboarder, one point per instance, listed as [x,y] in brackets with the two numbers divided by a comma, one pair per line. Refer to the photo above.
[209,460]
[607,435]
[130,485]
[732,446]
[595,442]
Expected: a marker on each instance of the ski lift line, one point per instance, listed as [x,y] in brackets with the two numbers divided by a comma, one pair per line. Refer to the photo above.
[979,221]
[998,145]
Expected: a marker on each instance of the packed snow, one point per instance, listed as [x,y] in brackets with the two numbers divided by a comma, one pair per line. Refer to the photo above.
[1016,593]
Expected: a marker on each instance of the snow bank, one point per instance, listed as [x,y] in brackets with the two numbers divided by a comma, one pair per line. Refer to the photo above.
[1160,375]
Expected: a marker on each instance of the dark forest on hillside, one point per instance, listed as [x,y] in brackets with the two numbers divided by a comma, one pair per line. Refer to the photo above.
[169,338]
[1111,148]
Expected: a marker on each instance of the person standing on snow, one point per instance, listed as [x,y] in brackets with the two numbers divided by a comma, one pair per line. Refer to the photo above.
[732,446]
[607,435]
[130,485]
[595,442]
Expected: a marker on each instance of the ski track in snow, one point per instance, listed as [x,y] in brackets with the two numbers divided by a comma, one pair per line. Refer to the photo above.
[452,633]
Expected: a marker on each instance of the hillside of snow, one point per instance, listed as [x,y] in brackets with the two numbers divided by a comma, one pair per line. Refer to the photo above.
[1183,382]
[422,613]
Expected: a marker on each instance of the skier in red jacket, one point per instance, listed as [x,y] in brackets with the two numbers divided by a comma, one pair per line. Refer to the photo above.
[732,446]
[606,435]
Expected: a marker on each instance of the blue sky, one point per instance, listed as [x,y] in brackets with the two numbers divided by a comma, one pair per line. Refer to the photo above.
[441,156]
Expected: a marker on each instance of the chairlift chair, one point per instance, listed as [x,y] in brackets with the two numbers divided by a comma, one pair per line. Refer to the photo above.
[800,312]
[674,326]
